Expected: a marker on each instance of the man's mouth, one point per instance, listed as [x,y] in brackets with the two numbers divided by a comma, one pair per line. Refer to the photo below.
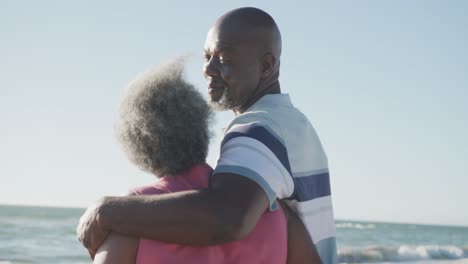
[215,85]
[215,91]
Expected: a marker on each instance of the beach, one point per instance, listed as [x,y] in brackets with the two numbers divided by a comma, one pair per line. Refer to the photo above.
[30,234]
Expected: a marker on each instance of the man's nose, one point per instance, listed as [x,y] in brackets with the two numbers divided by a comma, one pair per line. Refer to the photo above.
[210,69]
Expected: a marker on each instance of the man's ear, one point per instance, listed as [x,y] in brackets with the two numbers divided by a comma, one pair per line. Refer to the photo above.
[268,64]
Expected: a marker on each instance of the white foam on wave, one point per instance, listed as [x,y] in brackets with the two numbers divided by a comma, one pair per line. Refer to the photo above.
[355,226]
[401,253]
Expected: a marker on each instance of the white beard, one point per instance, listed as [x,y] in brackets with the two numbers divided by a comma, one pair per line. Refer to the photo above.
[226,102]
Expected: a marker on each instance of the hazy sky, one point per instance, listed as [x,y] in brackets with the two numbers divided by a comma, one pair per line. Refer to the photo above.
[385,84]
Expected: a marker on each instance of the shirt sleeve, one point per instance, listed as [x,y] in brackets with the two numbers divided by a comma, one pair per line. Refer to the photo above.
[256,152]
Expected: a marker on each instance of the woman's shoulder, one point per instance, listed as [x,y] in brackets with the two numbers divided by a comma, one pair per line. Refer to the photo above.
[158,187]
[196,177]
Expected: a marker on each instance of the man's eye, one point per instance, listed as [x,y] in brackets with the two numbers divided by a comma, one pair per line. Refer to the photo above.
[207,57]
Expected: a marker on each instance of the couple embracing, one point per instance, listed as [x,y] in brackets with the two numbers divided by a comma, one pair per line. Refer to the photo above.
[268,198]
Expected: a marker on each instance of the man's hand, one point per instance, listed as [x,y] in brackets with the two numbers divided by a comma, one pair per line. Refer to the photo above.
[90,230]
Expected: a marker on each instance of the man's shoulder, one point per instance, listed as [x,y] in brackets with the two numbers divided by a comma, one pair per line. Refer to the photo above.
[253,119]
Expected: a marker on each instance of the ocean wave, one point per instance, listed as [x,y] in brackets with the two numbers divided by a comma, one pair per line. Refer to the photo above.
[401,253]
[354,226]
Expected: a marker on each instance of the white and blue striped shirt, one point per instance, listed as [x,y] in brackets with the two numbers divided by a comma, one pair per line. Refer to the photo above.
[275,145]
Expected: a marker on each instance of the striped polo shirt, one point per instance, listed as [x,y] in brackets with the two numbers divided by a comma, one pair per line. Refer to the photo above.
[275,145]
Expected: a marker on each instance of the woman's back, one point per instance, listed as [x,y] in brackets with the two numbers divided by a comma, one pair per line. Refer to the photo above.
[267,243]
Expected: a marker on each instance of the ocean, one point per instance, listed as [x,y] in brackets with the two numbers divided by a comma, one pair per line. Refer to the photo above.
[31,234]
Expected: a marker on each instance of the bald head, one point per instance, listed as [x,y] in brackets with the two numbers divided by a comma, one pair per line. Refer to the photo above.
[242,58]
[254,26]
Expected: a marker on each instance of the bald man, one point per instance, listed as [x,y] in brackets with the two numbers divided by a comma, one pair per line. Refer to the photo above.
[270,151]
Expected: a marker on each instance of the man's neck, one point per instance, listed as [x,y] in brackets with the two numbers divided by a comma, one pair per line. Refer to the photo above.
[274,88]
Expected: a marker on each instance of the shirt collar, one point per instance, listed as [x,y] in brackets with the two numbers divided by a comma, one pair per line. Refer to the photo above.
[269,100]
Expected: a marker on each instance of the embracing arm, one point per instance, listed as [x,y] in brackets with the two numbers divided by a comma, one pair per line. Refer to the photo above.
[226,211]
[301,248]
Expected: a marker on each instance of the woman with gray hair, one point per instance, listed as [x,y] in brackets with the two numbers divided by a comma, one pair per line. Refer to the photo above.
[163,127]
[163,122]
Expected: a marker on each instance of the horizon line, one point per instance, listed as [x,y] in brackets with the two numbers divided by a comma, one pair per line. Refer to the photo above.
[336,219]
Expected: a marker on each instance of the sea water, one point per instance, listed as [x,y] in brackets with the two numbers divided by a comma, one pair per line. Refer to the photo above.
[361,242]
[47,235]
[40,235]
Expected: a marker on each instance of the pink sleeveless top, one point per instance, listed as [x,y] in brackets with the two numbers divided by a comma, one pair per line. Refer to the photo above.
[267,243]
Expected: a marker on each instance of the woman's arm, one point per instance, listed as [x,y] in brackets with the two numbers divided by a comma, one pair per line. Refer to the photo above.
[117,249]
[301,248]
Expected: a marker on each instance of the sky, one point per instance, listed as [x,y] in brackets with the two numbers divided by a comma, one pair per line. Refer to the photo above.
[385,84]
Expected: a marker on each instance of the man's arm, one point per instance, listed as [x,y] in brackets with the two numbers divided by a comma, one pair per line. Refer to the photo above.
[301,248]
[226,211]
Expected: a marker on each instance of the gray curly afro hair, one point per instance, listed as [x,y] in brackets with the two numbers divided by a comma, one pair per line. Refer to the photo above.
[163,121]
